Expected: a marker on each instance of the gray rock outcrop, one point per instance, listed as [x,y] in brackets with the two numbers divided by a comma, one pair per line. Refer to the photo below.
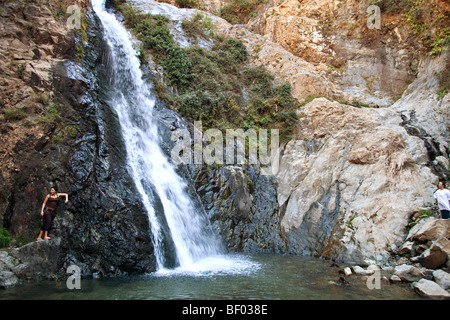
[352,176]
[430,289]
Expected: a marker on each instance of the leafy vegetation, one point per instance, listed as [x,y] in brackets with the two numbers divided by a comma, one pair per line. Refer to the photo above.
[198,26]
[5,238]
[216,86]
[194,4]
[429,23]
[240,11]
[420,215]
[14,114]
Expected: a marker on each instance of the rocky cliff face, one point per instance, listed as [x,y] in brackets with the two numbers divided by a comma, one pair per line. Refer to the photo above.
[353,174]
[351,179]
[368,65]
[65,135]
[32,43]
[360,208]
[338,40]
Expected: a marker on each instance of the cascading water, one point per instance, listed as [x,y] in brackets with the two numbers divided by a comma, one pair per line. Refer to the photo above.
[133,101]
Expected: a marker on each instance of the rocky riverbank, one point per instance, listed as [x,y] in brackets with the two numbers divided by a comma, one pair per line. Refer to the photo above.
[422,260]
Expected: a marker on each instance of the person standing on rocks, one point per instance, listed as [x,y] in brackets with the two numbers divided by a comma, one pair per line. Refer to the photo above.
[48,211]
[442,196]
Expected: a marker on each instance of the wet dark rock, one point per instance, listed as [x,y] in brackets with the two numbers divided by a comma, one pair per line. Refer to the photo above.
[242,205]
[104,228]
[342,281]
[37,260]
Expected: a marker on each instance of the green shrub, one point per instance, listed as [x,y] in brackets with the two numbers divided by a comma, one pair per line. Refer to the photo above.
[258,80]
[5,238]
[233,49]
[153,31]
[198,25]
[188,4]
[240,11]
[14,114]
[51,116]
[440,41]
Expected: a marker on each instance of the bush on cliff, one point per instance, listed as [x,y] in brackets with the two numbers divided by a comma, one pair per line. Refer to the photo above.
[5,238]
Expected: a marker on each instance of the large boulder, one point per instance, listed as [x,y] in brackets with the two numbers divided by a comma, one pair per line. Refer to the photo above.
[408,273]
[442,278]
[436,255]
[7,277]
[430,229]
[430,289]
[37,260]
[351,177]
[242,205]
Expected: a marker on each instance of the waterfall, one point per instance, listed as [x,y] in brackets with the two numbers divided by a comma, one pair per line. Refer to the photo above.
[133,101]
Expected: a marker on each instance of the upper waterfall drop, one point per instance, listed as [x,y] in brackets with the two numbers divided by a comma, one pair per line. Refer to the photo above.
[155,177]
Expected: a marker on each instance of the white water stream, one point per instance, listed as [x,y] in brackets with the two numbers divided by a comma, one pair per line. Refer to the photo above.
[133,101]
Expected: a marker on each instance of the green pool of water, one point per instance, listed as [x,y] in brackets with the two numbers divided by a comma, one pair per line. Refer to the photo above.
[242,277]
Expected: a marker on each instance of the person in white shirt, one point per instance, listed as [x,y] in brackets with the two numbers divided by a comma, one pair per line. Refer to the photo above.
[442,197]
